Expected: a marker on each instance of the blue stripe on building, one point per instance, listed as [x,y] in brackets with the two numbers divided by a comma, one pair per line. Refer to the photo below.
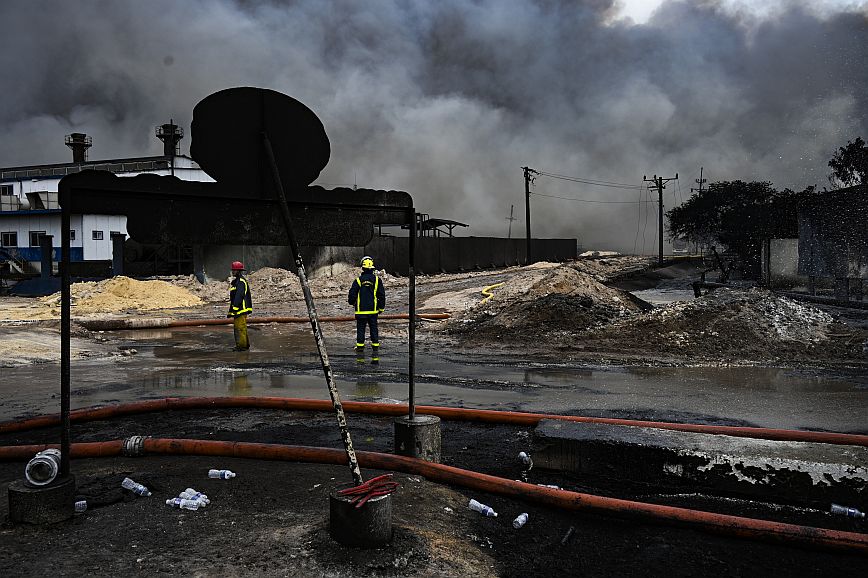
[35,253]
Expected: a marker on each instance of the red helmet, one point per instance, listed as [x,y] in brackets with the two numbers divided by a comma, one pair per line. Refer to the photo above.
[237,266]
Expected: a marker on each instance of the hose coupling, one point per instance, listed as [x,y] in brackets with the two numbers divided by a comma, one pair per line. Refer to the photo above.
[134,446]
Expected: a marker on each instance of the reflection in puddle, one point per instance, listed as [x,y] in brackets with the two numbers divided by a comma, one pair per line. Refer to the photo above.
[198,362]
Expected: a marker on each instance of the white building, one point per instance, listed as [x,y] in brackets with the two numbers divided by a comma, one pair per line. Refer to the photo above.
[29,201]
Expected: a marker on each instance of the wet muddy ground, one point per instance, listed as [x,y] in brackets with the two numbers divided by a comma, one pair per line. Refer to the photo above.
[272,518]
[282,362]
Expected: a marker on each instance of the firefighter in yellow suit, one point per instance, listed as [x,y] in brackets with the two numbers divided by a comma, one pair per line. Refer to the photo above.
[240,305]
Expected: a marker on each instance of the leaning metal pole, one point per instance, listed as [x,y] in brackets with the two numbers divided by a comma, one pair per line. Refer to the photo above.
[411,278]
[65,324]
[314,321]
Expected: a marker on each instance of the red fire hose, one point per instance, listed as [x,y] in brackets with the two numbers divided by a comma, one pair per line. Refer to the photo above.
[562,499]
[448,413]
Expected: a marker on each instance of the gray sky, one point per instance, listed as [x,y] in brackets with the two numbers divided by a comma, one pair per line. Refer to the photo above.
[448,100]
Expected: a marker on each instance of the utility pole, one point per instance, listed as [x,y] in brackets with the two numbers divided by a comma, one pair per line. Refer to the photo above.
[510,218]
[659,184]
[528,179]
[700,181]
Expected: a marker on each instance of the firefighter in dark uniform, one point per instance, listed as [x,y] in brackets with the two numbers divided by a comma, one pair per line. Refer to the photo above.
[240,305]
[368,295]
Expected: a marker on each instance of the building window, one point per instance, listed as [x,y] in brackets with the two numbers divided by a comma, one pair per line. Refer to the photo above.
[96,235]
[34,237]
[9,239]
[72,234]
[113,233]
[5,190]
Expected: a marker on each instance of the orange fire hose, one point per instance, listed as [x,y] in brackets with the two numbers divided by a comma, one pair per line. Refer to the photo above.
[562,499]
[448,413]
[159,323]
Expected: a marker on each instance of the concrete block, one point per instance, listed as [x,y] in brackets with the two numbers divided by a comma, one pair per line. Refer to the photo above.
[779,470]
[44,505]
[418,437]
[366,527]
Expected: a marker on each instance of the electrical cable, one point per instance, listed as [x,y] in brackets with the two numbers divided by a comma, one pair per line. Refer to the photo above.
[582,200]
[589,181]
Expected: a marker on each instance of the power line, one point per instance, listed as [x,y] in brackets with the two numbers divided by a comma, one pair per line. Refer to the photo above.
[586,200]
[590,181]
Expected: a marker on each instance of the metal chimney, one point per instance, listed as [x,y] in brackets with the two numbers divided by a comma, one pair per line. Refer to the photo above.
[79,143]
[171,135]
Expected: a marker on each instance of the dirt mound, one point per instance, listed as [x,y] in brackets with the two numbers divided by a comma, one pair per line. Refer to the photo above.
[109,296]
[271,284]
[726,322]
[274,285]
[213,291]
[536,303]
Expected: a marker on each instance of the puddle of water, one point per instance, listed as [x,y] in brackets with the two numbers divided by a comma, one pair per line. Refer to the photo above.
[283,362]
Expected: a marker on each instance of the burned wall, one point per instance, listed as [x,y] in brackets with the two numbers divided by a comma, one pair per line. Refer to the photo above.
[833,235]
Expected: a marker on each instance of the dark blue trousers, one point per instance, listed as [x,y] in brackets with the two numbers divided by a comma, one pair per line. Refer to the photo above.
[361,322]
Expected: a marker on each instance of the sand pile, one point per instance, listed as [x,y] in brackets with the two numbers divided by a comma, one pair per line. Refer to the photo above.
[122,293]
[737,322]
[540,302]
[109,296]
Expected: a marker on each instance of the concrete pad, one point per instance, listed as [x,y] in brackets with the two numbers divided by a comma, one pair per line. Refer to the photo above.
[798,472]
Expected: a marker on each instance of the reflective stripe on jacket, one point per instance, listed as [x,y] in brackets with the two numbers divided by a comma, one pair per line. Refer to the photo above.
[240,301]
[367,294]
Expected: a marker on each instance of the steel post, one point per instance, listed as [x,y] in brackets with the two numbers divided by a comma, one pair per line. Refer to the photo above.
[314,321]
[411,370]
[65,323]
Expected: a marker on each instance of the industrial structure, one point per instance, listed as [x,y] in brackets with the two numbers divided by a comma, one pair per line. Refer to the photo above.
[29,206]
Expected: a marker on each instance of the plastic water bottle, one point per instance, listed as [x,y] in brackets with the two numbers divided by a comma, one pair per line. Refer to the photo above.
[183,504]
[519,521]
[80,506]
[191,494]
[525,460]
[221,474]
[482,509]
[135,487]
[845,511]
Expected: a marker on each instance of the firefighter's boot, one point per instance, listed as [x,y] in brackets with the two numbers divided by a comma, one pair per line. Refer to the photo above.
[360,352]
[375,354]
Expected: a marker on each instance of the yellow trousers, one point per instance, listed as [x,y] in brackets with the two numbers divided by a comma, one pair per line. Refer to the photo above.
[239,325]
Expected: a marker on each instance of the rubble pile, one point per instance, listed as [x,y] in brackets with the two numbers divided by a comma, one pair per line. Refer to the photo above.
[271,284]
[537,303]
[605,269]
[725,322]
[274,285]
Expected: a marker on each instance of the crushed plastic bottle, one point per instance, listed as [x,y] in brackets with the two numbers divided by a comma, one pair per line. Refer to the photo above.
[482,509]
[520,521]
[845,511]
[525,460]
[80,506]
[221,474]
[183,504]
[135,487]
[191,494]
